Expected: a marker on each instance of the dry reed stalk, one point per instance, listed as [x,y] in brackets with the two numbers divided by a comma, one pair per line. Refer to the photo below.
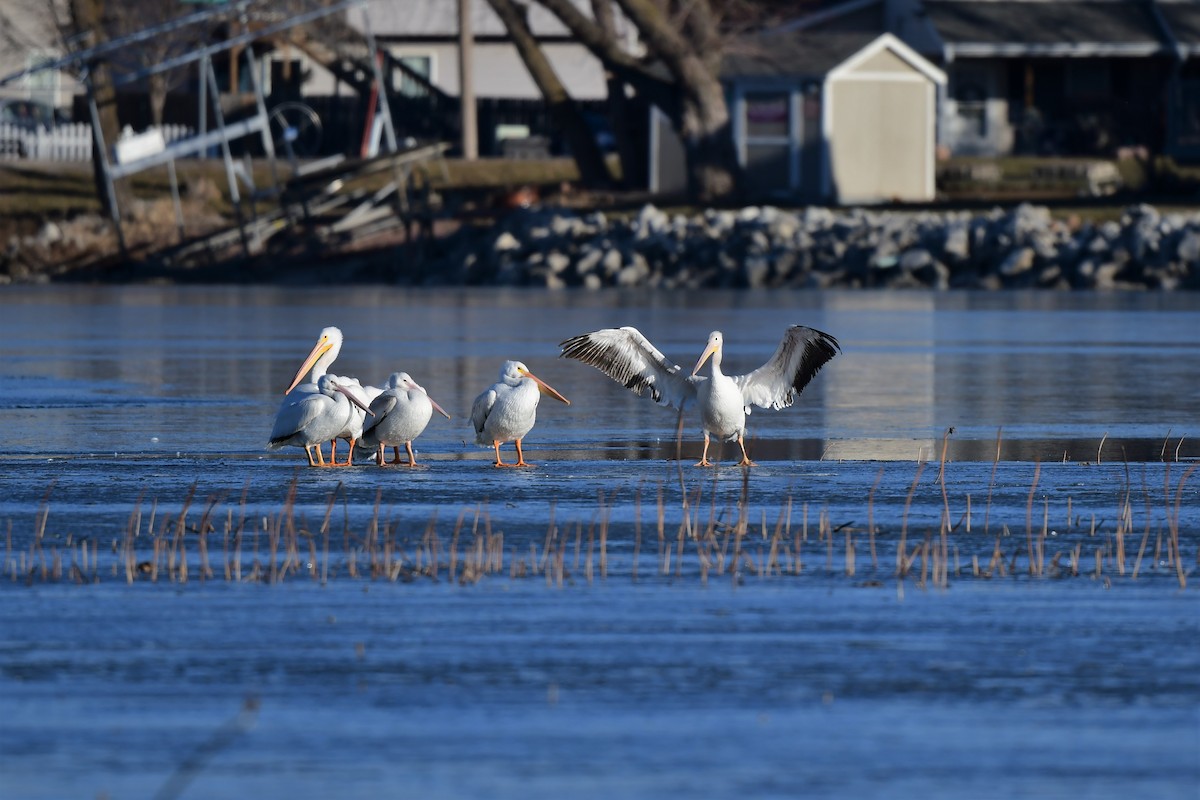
[604,519]
[902,547]
[679,555]
[551,533]
[578,545]
[924,551]
[560,563]
[871,518]
[987,512]
[776,540]
[1101,447]
[849,553]
[941,479]
[1173,526]
[663,556]
[590,544]
[453,567]
[825,534]
[1162,455]
[1033,565]
[129,548]
[1137,564]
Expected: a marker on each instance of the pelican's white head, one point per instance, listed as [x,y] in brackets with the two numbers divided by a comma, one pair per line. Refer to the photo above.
[513,372]
[715,342]
[324,353]
[401,380]
[331,384]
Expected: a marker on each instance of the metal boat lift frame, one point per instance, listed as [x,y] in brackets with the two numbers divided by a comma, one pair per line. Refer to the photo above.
[259,122]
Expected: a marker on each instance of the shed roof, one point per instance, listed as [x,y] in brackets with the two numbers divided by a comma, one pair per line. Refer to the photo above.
[803,54]
[1038,27]
[794,54]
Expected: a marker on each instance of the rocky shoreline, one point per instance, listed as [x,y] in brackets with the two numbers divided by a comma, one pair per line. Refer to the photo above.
[754,247]
[765,247]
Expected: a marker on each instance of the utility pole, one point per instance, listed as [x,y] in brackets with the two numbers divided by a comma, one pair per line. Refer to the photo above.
[466,82]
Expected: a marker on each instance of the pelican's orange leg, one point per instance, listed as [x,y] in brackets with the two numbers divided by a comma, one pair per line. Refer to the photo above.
[500,461]
[704,462]
[379,459]
[412,458]
[745,462]
[521,462]
[308,452]
[349,456]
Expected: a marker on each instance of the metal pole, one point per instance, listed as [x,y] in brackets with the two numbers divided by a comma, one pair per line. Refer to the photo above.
[234,195]
[203,110]
[466,82]
[385,108]
[99,151]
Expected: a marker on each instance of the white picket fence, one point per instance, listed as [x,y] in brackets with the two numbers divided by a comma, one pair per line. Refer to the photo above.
[71,142]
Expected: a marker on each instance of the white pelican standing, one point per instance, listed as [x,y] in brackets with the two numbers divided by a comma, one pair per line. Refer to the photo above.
[626,356]
[322,356]
[352,431]
[507,410]
[315,418]
[401,413]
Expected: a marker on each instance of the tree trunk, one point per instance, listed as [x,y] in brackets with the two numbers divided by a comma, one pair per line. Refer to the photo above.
[689,50]
[87,17]
[593,172]
[618,104]
[704,126]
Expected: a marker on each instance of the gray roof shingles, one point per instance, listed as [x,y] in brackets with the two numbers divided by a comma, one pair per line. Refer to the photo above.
[1028,22]
[791,54]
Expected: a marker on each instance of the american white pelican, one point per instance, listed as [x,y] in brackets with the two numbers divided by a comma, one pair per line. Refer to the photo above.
[507,410]
[626,356]
[315,418]
[352,431]
[401,413]
[324,353]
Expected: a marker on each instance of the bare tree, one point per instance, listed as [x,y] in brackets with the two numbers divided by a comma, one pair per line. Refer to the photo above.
[87,20]
[682,39]
[592,170]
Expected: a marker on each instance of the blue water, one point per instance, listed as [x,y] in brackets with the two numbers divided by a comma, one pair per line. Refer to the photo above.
[597,659]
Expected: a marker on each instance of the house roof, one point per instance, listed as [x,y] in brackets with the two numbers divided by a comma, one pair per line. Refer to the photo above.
[438,19]
[1039,27]
[799,54]
[791,54]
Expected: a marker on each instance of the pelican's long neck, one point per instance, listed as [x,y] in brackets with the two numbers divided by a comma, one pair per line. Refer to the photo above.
[321,365]
[716,364]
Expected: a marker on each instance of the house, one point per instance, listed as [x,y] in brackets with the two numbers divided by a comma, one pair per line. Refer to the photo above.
[1047,76]
[837,117]
[29,37]
[423,37]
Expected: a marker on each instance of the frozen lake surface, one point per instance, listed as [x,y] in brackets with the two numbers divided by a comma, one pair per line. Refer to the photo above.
[849,619]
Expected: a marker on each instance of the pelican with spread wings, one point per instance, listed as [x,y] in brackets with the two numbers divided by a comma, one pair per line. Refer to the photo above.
[626,356]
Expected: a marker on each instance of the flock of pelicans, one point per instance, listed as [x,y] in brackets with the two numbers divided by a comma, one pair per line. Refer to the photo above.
[329,408]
